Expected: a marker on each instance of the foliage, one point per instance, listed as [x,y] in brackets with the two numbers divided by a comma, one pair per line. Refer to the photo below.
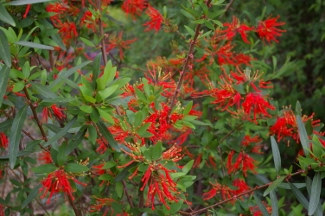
[124,108]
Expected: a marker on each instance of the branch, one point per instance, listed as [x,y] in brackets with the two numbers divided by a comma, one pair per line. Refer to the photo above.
[101,32]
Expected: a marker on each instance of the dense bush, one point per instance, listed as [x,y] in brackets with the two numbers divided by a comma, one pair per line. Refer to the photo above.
[132,107]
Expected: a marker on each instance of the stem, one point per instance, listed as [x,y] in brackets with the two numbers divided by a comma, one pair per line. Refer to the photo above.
[228,134]
[127,194]
[76,211]
[203,210]
[187,60]
[101,31]
[33,108]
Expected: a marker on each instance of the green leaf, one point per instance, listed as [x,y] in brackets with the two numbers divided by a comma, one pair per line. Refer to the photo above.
[75,168]
[303,135]
[61,133]
[43,91]
[124,172]
[108,136]
[5,125]
[87,42]
[5,16]
[274,185]
[25,2]
[66,74]
[45,168]
[4,49]
[316,189]
[119,189]
[92,134]
[261,206]
[300,197]
[143,129]
[187,14]
[188,108]
[109,165]
[274,204]
[15,135]
[31,196]
[105,115]
[276,155]
[108,91]
[77,140]
[18,86]
[62,157]
[5,71]
[157,151]
[34,45]
[187,167]
[189,30]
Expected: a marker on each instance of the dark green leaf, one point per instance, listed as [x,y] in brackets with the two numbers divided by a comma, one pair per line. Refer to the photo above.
[4,49]
[316,189]
[274,204]
[124,172]
[108,136]
[303,135]
[157,151]
[261,206]
[5,16]
[298,108]
[300,197]
[119,189]
[189,30]
[61,158]
[15,134]
[276,155]
[31,196]
[61,133]
[274,185]
[45,168]
[75,168]
[77,140]
[187,167]
[109,165]
[25,2]
[43,91]
[34,45]
[5,125]
[187,14]
[3,79]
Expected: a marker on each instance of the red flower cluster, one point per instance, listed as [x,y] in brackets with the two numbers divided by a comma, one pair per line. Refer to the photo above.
[58,112]
[118,42]
[56,182]
[134,7]
[267,29]
[234,28]
[225,191]
[155,19]
[243,163]
[45,157]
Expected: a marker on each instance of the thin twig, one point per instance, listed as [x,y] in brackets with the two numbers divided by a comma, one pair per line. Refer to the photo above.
[101,32]
[127,194]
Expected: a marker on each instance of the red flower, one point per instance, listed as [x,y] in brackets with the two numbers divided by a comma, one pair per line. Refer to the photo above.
[45,157]
[256,103]
[267,29]
[27,10]
[234,28]
[68,31]
[225,191]
[243,163]
[134,7]
[56,182]
[3,140]
[58,112]
[118,42]
[87,21]
[160,184]
[241,186]
[155,19]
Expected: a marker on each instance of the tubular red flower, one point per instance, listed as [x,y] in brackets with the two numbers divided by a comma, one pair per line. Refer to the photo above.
[254,102]
[134,7]
[56,182]
[155,19]
[58,112]
[45,157]
[234,28]
[267,30]
[3,140]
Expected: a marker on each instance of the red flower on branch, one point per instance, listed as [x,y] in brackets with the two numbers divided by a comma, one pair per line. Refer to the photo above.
[45,157]
[56,182]
[267,30]
[234,28]
[155,19]
[118,42]
[3,140]
[243,163]
[217,188]
[58,112]
[134,7]
[68,31]
[254,102]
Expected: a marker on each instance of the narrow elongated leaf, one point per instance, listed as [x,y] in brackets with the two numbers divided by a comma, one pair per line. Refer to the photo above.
[66,74]
[31,196]
[274,204]
[45,168]
[61,133]
[75,168]
[5,16]
[261,206]
[77,140]
[43,91]
[303,135]
[25,2]
[274,185]
[34,45]
[300,197]
[119,189]
[5,125]
[276,155]
[14,138]
[108,136]
[316,189]
[4,76]
[4,49]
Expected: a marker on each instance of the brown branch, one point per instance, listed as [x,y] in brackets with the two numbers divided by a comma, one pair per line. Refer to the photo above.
[76,211]
[185,66]
[203,210]
[127,194]
[101,31]
[230,132]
